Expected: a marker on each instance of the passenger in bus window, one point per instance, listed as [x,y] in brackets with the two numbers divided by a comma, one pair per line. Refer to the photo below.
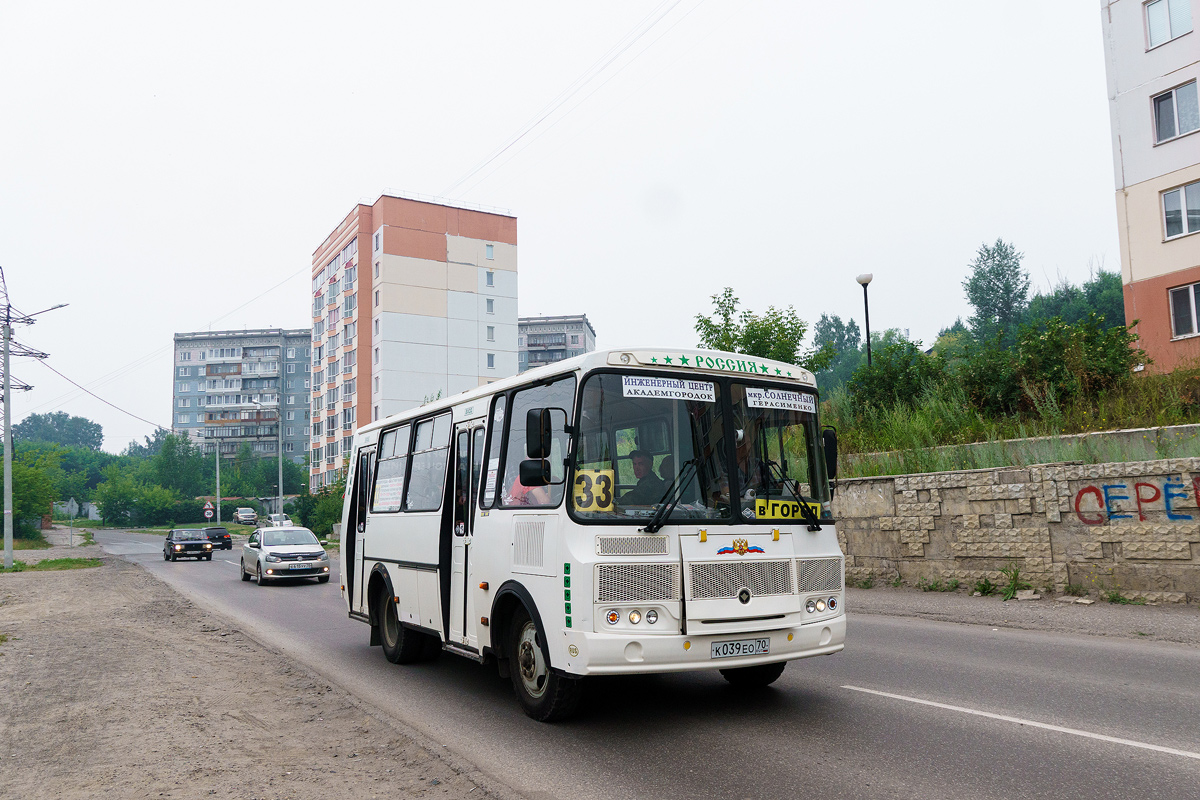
[519,494]
[666,469]
[750,468]
[650,487]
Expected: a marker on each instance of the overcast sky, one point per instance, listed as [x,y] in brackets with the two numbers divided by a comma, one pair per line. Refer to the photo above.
[162,164]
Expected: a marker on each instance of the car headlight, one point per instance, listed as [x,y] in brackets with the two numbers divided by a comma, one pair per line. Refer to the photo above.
[324,556]
[178,547]
[208,545]
[273,557]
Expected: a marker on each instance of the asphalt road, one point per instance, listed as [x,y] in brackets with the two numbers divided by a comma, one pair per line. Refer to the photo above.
[911,708]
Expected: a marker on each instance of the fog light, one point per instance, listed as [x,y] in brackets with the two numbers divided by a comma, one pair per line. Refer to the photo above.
[832,603]
[613,617]
[327,570]
[820,605]
[651,616]
[810,606]
[270,572]
[635,617]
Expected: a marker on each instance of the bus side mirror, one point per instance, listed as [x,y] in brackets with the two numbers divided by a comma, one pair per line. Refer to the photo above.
[829,445]
[538,435]
[535,472]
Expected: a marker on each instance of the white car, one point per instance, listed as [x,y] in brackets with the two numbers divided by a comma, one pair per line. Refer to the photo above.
[280,521]
[273,553]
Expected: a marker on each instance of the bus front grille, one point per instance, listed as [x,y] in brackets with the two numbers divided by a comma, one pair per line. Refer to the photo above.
[819,574]
[726,579]
[641,545]
[637,583]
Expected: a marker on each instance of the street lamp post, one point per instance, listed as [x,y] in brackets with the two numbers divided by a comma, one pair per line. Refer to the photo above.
[864,279]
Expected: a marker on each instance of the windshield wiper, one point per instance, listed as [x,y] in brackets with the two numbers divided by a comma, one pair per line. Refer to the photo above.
[664,509]
[806,512]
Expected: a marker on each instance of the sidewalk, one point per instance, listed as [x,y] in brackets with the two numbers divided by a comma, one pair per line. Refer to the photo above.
[1164,623]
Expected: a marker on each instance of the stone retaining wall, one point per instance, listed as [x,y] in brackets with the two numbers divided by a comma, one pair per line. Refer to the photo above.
[1134,527]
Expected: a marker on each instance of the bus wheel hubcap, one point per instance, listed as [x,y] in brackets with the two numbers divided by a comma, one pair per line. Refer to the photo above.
[529,660]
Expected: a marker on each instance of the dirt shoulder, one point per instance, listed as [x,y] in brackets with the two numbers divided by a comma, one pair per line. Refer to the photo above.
[111,683]
[1164,623]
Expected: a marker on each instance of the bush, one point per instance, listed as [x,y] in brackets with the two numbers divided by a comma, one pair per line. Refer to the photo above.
[898,375]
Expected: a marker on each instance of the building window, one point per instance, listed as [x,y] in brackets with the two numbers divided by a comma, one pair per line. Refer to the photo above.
[184,419]
[288,446]
[289,431]
[574,339]
[376,269]
[1183,310]
[184,402]
[377,243]
[1176,112]
[377,298]
[376,355]
[1167,20]
[1181,210]
[291,352]
[375,414]
[186,355]
[491,360]
[376,384]
[520,341]
[291,415]
[377,326]
[491,333]
[291,368]
[291,401]
[491,306]
[491,251]
[491,278]
[185,372]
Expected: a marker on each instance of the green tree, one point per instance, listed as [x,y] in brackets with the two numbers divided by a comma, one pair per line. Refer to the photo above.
[327,509]
[155,505]
[1101,295]
[146,451]
[60,428]
[775,334]
[117,496]
[33,492]
[998,290]
[179,466]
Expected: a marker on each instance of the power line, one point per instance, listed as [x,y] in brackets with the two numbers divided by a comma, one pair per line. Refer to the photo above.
[596,69]
[102,400]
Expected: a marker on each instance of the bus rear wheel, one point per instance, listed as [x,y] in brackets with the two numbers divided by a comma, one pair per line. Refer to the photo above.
[754,677]
[543,694]
[400,645]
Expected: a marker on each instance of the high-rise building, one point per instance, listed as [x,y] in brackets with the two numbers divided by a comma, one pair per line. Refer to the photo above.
[544,340]
[231,386]
[1153,62]
[412,300]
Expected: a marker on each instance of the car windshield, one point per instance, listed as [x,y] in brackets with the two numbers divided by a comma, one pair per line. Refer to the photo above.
[187,536]
[732,450]
[294,536]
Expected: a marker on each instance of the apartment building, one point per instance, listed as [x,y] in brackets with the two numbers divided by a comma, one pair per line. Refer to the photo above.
[544,340]
[1153,63]
[232,388]
[412,300]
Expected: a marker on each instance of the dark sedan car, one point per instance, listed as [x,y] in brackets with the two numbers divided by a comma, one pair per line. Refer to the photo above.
[219,537]
[188,543]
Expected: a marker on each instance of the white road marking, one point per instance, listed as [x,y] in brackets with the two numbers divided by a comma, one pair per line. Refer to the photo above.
[1060,729]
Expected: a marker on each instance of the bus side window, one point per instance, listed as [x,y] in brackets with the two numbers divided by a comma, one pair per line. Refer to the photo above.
[557,395]
[487,498]
[391,470]
[431,447]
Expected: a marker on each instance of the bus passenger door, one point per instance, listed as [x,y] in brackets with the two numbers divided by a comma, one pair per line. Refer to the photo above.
[461,534]
[360,500]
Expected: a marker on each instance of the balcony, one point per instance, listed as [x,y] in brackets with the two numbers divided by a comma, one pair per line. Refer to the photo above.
[545,341]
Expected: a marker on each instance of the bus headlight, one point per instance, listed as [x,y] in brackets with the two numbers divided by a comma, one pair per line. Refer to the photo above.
[651,616]
[820,605]
[613,617]
[635,617]
[810,606]
[833,604]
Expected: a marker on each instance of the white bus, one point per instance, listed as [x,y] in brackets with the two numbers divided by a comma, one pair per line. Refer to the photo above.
[625,511]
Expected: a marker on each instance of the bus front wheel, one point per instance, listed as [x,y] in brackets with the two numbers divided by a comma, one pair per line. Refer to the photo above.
[754,677]
[543,694]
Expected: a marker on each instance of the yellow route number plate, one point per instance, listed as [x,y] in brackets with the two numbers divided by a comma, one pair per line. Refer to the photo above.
[593,489]
[782,509]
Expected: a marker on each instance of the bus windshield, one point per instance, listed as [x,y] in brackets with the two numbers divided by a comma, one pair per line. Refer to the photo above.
[726,451]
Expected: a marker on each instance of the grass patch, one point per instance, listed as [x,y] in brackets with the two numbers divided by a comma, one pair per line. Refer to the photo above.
[866,583]
[936,585]
[896,582]
[3,638]
[37,542]
[53,564]
[1015,583]
[1076,590]
[985,587]
[1114,596]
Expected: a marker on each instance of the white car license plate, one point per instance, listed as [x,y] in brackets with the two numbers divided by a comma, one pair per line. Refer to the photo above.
[741,647]
[298,566]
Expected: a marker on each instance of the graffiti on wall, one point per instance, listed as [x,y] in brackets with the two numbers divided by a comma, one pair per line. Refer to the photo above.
[1095,505]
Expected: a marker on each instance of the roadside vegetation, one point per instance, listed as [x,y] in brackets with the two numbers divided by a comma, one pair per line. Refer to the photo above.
[53,564]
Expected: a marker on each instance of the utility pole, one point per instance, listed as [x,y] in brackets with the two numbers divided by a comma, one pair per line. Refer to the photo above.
[9,319]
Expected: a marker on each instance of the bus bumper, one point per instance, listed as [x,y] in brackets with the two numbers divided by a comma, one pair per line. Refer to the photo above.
[621,654]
